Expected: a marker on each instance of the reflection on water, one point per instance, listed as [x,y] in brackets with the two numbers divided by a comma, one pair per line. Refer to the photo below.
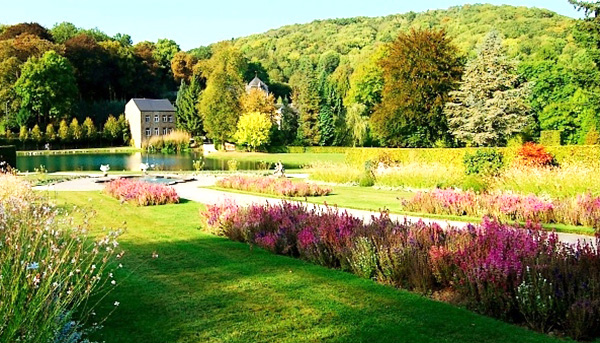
[124,161]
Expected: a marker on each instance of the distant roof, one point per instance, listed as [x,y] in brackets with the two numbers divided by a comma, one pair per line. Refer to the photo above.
[153,105]
[256,82]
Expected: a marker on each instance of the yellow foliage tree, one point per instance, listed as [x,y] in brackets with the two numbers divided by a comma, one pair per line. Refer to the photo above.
[253,130]
[258,101]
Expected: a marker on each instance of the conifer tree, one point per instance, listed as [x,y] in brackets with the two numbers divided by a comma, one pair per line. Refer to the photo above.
[63,131]
[111,129]
[188,118]
[50,133]
[89,129]
[75,130]
[36,134]
[492,102]
[307,101]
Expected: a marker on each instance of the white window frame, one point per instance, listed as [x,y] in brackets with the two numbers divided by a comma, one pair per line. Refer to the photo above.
[170,118]
[148,132]
[147,119]
[156,131]
[156,118]
[164,118]
[165,131]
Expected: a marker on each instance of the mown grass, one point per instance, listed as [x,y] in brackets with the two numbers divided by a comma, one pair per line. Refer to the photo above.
[203,288]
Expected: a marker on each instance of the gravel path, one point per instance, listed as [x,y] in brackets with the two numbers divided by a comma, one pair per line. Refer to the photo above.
[193,191]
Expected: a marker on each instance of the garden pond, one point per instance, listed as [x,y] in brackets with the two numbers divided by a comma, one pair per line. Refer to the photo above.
[129,162]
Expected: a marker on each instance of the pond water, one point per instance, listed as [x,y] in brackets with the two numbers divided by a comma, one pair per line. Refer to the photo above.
[124,161]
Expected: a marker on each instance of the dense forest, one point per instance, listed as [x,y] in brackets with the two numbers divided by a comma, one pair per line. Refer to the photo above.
[471,75]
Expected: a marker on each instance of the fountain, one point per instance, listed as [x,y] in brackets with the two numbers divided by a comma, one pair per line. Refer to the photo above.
[104,168]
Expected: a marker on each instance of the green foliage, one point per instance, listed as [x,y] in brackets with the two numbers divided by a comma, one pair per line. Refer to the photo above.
[307,100]
[358,123]
[188,118]
[326,126]
[484,162]
[253,130]
[592,137]
[491,103]
[111,129]
[419,71]
[36,134]
[8,154]
[550,137]
[47,87]
[123,129]
[23,134]
[220,102]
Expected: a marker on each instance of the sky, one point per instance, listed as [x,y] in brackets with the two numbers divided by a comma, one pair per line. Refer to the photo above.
[195,23]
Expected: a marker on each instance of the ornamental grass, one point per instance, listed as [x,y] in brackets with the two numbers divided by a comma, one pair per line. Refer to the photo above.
[141,193]
[272,185]
[522,275]
[582,210]
[49,268]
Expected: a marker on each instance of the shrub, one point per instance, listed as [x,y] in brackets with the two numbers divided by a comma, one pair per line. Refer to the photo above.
[484,162]
[522,275]
[141,193]
[550,137]
[534,155]
[592,137]
[50,267]
[271,185]
[232,165]
[176,141]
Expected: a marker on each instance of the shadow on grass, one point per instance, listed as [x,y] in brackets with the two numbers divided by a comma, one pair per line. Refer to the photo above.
[209,289]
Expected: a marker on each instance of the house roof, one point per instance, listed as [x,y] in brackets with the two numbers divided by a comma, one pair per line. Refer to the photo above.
[256,82]
[153,105]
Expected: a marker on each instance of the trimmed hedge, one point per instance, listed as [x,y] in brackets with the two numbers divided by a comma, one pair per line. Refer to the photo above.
[8,154]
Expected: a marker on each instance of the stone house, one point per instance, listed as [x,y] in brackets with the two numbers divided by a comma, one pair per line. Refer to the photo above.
[148,118]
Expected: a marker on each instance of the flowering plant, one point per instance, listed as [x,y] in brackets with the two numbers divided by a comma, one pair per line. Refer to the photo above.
[141,193]
[271,185]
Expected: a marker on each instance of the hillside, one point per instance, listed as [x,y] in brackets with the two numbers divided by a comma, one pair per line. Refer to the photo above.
[527,31]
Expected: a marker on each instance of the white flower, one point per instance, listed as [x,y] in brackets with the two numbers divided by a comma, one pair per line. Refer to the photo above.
[113,282]
[117,303]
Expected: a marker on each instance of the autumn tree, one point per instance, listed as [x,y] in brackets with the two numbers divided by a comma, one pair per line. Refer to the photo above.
[75,130]
[50,133]
[420,69]
[47,87]
[257,100]
[182,66]
[492,101]
[89,129]
[64,132]
[36,134]
[35,29]
[253,130]
[220,105]
[111,129]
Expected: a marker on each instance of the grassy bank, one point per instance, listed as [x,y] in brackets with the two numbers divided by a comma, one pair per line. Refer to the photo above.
[203,288]
[289,160]
[123,150]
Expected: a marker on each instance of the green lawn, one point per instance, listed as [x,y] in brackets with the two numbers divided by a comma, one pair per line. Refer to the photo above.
[203,288]
[289,160]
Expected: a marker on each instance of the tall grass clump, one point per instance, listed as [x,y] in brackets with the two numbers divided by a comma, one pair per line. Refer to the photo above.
[176,141]
[49,268]
[420,176]
[141,193]
[272,185]
[519,274]
[340,173]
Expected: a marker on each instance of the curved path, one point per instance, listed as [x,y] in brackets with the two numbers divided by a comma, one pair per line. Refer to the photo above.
[194,191]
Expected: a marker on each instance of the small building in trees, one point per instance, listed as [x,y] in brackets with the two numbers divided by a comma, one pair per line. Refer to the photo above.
[149,117]
[257,83]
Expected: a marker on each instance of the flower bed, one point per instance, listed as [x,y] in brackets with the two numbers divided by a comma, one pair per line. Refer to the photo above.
[522,275]
[49,268]
[580,210]
[141,193]
[271,185]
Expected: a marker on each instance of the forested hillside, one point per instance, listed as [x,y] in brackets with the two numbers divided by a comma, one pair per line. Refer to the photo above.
[410,80]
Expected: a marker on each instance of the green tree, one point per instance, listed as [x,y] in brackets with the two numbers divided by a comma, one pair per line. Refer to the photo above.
[492,102]
[188,118]
[89,129]
[220,104]
[47,87]
[23,134]
[123,129]
[253,130]
[326,126]
[357,120]
[75,130]
[64,31]
[420,69]
[306,99]
[165,50]
[50,133]
[111,130]
[64,133]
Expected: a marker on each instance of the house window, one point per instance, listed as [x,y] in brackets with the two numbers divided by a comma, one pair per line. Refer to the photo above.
[148,132]
[164,130]
[170,119]
[164,119]
[147,119]
[156,132]
[170,130]
[156,118]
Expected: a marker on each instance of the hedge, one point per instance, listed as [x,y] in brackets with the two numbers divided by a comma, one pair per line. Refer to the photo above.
[8,154]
